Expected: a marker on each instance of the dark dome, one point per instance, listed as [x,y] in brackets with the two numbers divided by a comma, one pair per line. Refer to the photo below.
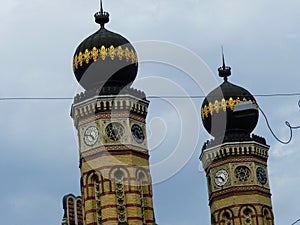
[229,108]
[105,59]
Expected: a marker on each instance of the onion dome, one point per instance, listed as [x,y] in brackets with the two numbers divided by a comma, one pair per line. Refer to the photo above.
[105,58]
[229,112]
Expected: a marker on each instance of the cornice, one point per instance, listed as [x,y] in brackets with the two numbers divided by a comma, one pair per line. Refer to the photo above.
[228,150]
[109,106]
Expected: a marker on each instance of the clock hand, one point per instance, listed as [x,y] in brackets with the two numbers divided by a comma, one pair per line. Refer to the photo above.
[137,134]
[220,178]
[89,135]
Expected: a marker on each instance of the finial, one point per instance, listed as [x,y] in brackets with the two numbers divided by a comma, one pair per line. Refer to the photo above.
[223,58]
[224,71]
[101,7]
[102,17]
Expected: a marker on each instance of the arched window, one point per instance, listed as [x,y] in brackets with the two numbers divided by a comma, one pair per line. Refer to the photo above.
[213,219]
[267,216]
[247,213]
[79,212]
[71,210]
[247,216]
[120,196]
[226,217]
[97,197]
[141,186]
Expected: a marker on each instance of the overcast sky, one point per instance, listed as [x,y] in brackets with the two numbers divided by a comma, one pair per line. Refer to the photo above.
[39,160]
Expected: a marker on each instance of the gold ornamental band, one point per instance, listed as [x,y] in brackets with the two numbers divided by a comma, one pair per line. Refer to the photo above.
[103,53]
[222,105]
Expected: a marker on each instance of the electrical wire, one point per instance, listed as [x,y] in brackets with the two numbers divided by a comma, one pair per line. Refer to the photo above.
[296,222]
[149,97]
[33,98]
[272,132]
[291,128]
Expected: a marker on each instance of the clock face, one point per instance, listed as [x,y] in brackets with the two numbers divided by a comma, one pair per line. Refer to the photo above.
[137,133]
[115,131]
[221,177]
[91,135]
[261,175]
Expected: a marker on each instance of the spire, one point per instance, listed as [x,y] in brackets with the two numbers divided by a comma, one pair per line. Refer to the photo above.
[102,17]
[101,7]
[224,71]
[223,59]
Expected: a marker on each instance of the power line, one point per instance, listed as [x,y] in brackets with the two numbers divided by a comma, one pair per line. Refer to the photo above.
[149,97]
[296,222]
[291,128]
[278,95]
[203,96]
[34,98]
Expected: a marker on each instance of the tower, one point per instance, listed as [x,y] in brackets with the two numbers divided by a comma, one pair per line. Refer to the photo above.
[72,210]
[110,119]
[234,161]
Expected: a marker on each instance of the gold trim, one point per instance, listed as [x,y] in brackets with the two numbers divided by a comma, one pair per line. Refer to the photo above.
[104,53]
[218,106]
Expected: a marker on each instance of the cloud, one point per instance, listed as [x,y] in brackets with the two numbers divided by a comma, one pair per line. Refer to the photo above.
[39,160]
